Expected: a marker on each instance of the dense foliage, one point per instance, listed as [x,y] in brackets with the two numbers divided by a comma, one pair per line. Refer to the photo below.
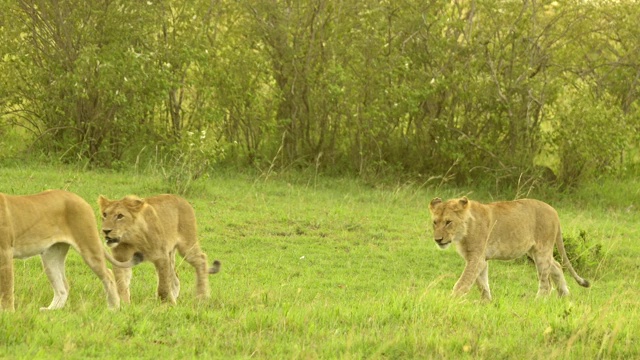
[461,89]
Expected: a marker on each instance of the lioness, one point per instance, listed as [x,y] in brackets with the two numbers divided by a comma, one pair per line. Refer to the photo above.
[504,231]
[46,224]
[156,227]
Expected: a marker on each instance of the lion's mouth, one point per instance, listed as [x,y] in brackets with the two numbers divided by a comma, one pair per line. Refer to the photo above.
[111,242]
[442,243]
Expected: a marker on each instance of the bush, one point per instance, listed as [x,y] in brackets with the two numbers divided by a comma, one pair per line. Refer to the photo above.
[583,254]
[590,136]
[192,156]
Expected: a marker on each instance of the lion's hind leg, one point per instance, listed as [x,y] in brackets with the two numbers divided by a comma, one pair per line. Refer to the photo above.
[558,278]
[175,283]
[543,265]
[53,260]
[96,261]
[194,256]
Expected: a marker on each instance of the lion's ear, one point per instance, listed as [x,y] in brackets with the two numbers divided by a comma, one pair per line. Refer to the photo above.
[134,203]
[103,202]
[434,202]
[464,202]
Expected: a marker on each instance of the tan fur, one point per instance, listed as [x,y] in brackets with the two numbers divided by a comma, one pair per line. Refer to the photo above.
[46,224]
[504,231]
[156,227]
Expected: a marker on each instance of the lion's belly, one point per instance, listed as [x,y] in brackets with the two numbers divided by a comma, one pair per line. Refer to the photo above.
[26,247]
[507,249]
[27,250]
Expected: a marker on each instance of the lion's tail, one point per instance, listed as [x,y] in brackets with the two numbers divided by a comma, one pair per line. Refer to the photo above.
[135,260]
[215,267]
[567,263]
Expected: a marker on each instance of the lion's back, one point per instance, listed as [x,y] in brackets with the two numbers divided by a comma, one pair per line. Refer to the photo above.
[522,208]
[524,220]
[174,212]
[54,203]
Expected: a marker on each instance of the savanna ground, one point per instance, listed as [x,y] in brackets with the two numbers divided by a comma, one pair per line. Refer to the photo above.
[318,267]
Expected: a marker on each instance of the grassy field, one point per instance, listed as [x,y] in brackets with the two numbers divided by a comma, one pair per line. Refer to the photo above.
[332,268]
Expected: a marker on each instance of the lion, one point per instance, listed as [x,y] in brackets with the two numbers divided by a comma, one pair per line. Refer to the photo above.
[504,231]
[46,224]
[155,227]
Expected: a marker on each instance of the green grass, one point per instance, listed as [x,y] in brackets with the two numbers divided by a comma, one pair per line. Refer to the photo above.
[330,268]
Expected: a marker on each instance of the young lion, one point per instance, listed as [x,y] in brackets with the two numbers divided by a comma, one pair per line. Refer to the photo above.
[156,227]
[504,231]
[46,224]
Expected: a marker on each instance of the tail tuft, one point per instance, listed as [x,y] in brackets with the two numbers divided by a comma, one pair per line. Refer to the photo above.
[215,268]
[137,258]
[584,283]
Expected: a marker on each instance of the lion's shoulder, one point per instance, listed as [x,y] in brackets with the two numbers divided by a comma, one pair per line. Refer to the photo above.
[165,200]
[169,203]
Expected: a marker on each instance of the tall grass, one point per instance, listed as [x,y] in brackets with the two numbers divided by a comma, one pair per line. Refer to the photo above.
[327,268]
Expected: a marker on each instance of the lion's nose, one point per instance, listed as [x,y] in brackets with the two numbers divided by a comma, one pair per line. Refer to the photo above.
[106,231]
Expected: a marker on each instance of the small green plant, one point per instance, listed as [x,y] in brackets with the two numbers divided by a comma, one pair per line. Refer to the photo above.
[191,158]
[584,255]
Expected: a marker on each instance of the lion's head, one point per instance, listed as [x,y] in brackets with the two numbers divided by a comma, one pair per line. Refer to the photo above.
[449,220]
[119,217]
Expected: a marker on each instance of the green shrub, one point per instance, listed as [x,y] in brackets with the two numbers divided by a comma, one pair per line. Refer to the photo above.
[583,254]
[191,157]
[589,136]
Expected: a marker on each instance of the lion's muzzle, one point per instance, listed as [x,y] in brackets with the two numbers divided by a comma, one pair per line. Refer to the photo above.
[111,241]
[442,243]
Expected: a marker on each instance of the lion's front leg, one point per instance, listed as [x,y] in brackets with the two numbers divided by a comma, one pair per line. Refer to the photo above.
[175,282]
[6,280]
[483,282]
[123,253]
[469,277]
[123,283]
[165,279]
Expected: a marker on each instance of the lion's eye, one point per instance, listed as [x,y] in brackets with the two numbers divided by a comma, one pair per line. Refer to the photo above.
[119,217]
[104,215]
[447,223]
